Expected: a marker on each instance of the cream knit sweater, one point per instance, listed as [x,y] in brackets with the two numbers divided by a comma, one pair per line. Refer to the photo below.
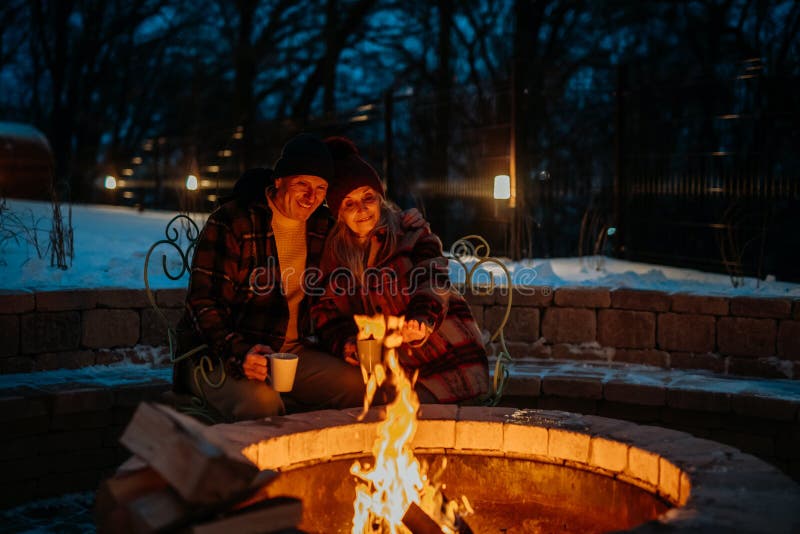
[290,240]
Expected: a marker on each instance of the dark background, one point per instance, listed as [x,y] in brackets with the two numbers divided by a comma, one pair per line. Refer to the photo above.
[662,131]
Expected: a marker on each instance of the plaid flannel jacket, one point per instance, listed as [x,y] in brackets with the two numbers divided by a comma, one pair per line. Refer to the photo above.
[413,281]
[235,298]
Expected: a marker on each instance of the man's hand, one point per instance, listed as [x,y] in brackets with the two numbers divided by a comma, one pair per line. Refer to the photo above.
[414,331]
[351,351]
[413,219]
[255,362]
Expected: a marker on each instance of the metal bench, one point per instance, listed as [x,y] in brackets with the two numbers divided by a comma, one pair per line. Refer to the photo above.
[477,248]
[181,235]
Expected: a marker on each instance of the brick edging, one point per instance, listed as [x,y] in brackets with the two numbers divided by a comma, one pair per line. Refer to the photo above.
[59,439]
[733,335]
[761,417]
[711,483]
[743,336]
[73,328]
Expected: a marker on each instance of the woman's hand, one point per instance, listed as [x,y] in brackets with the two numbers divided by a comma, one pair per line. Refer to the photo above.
[414,330]
[255,362]
[412,219]
[350,351]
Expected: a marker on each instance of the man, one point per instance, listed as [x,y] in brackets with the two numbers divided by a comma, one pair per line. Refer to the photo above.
[246,297]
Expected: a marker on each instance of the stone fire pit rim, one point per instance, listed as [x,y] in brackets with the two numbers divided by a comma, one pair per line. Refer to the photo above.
[711,485]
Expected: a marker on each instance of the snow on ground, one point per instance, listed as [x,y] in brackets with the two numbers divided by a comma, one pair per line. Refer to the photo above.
[111,243]
[150,364]
[600,271]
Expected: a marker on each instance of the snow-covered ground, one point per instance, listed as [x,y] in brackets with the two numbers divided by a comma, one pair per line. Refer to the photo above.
[151,363]
[111,243]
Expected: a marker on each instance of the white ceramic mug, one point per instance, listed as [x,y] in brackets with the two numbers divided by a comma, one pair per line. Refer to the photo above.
[282,368]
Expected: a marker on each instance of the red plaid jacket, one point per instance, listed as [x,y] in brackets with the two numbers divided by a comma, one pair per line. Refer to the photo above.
[235,299]
[413,281]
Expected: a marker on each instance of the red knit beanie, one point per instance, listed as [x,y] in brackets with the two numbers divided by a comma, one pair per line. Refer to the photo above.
[351,172]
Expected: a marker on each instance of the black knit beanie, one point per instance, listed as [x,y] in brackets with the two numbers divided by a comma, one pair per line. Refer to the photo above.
[305,154]
[352,172]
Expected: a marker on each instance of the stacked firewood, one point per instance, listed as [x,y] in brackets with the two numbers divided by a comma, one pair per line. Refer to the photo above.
[190,480]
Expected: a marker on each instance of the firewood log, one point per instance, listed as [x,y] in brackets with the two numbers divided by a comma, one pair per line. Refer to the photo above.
[141,502]
[418,522]
[158,511]
[202,467]
[272,515]
[113,495]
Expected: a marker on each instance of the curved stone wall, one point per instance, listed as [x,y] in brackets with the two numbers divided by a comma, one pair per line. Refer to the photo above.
[731,335]
[81,327]
[712,486]
[737,336]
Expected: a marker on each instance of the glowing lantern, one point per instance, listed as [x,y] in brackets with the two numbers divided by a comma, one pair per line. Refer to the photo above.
[502,187]
[191,182]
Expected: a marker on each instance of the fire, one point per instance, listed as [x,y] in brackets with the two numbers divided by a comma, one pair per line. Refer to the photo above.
[372,327]
[396,480]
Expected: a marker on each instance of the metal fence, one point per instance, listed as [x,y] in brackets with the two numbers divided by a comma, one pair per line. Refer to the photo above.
[710,175]
[701,173]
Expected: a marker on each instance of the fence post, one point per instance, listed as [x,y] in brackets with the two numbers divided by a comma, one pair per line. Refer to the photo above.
[619,165]
[388,142]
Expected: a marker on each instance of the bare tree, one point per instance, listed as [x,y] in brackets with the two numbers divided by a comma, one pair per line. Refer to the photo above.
[87,50]
[343,25]
[12,36]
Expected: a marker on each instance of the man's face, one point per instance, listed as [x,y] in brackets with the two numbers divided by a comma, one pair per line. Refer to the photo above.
[298,197]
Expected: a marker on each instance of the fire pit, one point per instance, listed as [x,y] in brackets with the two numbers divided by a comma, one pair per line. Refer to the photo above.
[499,490]
[530,470]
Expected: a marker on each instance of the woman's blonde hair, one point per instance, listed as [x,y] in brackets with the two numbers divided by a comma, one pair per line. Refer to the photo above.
[344,250]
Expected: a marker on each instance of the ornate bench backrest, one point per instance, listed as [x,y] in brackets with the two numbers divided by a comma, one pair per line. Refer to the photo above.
[175,243]
[182,234]
[462,251]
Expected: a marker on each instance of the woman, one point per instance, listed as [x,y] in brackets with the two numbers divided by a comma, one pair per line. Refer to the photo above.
[373,264]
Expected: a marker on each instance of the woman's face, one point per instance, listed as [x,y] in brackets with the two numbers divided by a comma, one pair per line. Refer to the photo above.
[360,210]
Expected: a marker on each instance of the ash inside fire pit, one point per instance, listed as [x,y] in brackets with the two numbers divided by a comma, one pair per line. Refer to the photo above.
[508,495]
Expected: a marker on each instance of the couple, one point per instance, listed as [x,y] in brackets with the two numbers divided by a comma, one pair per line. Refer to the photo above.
[253,291]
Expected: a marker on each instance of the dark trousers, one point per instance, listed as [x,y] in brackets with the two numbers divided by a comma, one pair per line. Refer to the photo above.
[322,381]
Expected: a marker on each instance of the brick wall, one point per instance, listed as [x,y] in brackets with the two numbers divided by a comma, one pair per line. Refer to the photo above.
[60,439]
[77,328]
[765,424]
[732,335]
[737,335]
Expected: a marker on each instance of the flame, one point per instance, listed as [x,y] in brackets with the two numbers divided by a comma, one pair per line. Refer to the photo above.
[396,479]
[371,326]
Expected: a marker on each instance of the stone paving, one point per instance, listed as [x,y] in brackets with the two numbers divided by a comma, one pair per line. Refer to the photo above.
[525,372]
[759,416]
[66,514]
